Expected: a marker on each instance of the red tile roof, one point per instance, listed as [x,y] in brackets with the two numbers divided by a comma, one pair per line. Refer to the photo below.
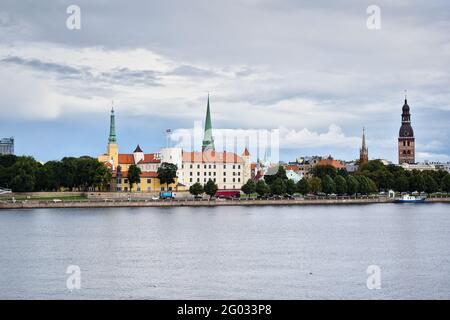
[125,158]
[150,158]
[291,167]
[212,156]
[335,163]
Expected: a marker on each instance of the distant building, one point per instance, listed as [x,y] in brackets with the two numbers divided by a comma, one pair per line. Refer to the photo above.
[433,166]
[406,140]
[228,170]
[364,151]
[351,167]
[7,146]
[330,161]
[119,164]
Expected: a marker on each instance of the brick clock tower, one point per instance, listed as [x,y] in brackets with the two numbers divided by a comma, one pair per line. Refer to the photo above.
[406,141]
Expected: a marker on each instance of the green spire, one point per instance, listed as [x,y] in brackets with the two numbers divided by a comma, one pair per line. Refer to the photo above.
[112,128]
[208,140]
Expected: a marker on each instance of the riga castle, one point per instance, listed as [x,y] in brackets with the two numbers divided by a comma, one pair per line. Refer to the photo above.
[228,170]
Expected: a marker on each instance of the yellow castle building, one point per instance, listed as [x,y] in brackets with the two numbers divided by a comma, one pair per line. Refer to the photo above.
[119,164]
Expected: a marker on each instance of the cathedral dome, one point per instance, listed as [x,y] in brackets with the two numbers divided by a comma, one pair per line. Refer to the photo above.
[406,131]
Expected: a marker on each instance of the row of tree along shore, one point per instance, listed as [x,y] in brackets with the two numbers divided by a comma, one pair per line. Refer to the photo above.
[373,177]
[25,174]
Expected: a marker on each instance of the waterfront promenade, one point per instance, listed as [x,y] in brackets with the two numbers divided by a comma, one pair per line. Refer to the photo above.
[111,203]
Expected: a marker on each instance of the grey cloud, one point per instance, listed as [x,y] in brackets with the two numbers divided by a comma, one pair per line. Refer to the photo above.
[191,71]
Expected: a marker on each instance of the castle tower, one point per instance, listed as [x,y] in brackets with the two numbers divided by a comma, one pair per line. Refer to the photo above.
[406,141]
[112,149]
[208,140]
[364,151]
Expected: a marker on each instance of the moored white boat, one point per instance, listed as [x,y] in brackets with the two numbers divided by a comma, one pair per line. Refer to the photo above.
[406,198]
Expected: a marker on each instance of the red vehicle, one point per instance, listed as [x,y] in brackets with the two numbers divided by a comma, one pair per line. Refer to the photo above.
[228,194]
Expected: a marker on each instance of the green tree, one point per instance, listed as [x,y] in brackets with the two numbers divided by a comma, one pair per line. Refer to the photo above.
[315,184]
[321,171]
[341,185]
[133,176]
[430,184]
[196,189]
[352,185]
[274,173]
[328,185]
[416,181]
[167,172]
[303,186]
[249,187]
[278,187]
[210,188]
[446,183]
[366,185]
[291,187]
[401,183]
[262,189]
[23,174]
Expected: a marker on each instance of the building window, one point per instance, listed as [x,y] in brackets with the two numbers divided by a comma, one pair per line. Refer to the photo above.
[138,189]
[224,166]
[204,180]
[198,166]
[214,179]
[224,173]
[162,188]
[234,179]
[214,173]
[204,167]
[190,173]
[209,173]
[209,166]
[198,173]
[190,180]
[234,173]
[239,173]
[239,166]
[190,166]
[149,180]
[125,180]
[170,188]
[224,179]
[125,189]
[408,143]
[239,179]
[198,179]
[234,167]
[204,173]
[214,166]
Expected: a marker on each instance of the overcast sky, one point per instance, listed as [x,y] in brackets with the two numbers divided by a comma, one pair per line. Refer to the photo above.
[311,69]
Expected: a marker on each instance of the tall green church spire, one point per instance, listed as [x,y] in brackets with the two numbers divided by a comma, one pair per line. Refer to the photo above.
[208,140]
[112,128]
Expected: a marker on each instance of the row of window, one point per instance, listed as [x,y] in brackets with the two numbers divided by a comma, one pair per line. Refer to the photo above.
[406,152]
[406,143]
[214,179]
[138,189]
[125,180]
[209,166]
[213,173]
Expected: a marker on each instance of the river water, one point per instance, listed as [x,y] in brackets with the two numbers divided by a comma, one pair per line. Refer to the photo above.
[285,252]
